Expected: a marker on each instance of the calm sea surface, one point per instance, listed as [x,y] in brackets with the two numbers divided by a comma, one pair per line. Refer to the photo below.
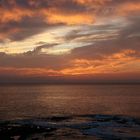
[24,101]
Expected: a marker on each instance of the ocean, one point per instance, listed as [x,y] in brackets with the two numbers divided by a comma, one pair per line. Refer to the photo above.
[27,101]
[70,112]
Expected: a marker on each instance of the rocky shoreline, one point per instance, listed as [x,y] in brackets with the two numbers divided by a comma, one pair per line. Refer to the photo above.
[97,127]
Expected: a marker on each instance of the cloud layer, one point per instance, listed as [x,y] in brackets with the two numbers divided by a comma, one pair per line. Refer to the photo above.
[74,38]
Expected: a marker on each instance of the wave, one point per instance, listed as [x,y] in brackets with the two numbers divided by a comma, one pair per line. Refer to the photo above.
[94,126]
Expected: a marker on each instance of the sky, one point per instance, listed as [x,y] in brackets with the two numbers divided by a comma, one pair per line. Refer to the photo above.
[69,40]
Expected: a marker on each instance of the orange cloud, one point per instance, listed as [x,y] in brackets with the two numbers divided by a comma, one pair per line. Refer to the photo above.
[74,19]
[54,14]
[100,60]
[120,63]
[28,71]
[14,14]
[117,62]
[89,2]
[128,8]
[123,54]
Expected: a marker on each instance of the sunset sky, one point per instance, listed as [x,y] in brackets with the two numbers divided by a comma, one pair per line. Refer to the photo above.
[68,40]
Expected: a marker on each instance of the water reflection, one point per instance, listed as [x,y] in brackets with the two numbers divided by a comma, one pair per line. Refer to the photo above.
[49,100]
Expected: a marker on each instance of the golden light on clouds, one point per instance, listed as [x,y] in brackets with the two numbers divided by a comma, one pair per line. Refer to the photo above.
[91,2]
[129,8]
[71,19]
[15,14]
[69,38]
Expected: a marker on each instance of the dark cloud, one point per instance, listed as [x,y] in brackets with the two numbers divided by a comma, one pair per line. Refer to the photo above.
[2,54]
[133,29]
[87,33]
[25,28]
[28,27]
[98,51]
[66,5]
[128,38]
[103,49]
[32,15]
[38,49]
[21,19]
[28,60]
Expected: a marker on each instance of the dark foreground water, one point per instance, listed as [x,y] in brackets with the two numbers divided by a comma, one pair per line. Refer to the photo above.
[43,112]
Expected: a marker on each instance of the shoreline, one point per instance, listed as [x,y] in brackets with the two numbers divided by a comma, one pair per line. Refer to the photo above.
[88,127]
